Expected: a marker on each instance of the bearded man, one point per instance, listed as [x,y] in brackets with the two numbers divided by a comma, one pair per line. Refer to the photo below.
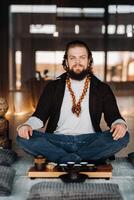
[72,106]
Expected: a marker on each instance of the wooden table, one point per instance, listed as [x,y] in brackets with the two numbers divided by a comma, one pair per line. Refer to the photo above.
[102,171]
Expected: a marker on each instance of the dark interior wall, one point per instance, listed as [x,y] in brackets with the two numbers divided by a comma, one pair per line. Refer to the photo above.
[4,28]
[72,3]
[3,48]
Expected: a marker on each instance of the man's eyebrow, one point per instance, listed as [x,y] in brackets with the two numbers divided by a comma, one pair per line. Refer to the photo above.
[71,56]
[75,56]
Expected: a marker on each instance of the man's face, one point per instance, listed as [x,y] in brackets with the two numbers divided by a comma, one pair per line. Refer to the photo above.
[77,59]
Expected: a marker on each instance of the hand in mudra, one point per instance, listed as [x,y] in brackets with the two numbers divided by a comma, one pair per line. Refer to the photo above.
[25,131]
[118,131]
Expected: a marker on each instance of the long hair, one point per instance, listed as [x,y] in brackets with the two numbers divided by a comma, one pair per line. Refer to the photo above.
[78,43]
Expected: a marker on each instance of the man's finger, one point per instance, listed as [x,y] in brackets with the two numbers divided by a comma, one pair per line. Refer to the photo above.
[24,134]
[112,129]
[119,135]
[116,137]
[30,132]
[115,132]
[27,135]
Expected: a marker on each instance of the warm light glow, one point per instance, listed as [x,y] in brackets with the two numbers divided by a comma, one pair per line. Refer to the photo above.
[120,9]
[18,57]
[8,113]
[56,34]
[129,30]
[42,28]
[20,113]
[121,29]
[114,58]
[33,8]
[111,29]
[131,68]
[93,10]
[125,113]
[129,34]
[118,68]
[18,62]
[123,9]
[68,10]
[103,29]
[49,57]
[77,29]
[112,9]
[98,57]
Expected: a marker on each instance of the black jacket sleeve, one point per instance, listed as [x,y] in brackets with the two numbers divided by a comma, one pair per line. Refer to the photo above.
[110,107]
[44,106]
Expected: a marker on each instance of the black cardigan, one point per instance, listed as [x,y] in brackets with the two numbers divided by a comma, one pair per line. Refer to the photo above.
[101,100]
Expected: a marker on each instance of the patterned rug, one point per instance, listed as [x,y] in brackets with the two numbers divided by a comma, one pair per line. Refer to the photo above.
[74,191]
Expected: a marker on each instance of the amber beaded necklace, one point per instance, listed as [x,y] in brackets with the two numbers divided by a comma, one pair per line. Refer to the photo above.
[76,107]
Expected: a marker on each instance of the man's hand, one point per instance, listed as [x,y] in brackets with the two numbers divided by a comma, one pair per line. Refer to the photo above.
[25,131]
[118,130]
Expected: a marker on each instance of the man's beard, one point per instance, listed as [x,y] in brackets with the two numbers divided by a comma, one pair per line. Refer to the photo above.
[78,76]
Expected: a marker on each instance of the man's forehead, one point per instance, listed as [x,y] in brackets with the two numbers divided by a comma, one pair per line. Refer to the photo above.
[77,50]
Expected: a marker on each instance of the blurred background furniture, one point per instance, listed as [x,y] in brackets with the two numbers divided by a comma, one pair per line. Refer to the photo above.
[5,142]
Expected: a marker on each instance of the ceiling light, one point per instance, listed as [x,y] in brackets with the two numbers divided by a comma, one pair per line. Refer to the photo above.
[77,29]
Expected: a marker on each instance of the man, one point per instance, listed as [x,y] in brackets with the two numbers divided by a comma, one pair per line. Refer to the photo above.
[73,105]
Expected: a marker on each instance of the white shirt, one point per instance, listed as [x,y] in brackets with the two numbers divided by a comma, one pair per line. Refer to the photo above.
[68,122]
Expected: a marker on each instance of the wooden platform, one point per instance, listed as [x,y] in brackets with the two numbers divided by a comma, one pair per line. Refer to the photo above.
[102,171]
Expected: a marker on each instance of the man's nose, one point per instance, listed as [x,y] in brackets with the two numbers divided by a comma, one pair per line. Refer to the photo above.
[77,60]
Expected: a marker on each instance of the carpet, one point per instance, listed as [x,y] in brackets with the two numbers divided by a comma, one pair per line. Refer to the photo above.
[74,191]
